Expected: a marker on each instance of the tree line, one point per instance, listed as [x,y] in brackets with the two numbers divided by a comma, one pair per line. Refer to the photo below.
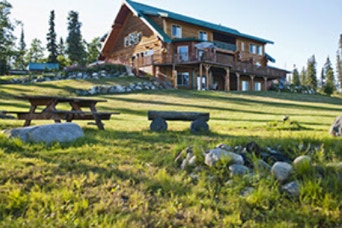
[326,81]
[72,50]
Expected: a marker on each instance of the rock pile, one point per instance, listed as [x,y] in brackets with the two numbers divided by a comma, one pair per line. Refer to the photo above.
[115,89]
[250,161]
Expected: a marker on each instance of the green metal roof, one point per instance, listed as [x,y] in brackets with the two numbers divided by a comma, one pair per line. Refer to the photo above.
[144,11]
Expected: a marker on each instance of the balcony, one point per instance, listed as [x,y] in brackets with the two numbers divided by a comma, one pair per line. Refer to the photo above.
[216,59]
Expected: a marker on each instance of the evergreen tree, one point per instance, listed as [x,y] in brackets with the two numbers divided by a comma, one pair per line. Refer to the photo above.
[329,86]
[51,39]
[20,57]
[75,48]
[295,77]
[36,51]
[339,62]
[303,76]
[61,47]
[311,76]
[93,50]
[7,39]
[322,80]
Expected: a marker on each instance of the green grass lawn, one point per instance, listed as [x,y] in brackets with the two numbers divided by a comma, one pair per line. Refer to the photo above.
[126,176]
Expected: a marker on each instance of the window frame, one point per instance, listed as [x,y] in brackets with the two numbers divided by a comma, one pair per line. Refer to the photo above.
[178,29]
[182,55]
[200,35]
[259,50]
[257,86]
[245,85]
[183,81]
[252,48]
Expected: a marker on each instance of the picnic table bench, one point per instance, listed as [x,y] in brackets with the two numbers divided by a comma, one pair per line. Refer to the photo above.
[198,124]
[50,112]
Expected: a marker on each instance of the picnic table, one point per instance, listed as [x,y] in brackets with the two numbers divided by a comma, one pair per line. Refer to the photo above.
[50,110]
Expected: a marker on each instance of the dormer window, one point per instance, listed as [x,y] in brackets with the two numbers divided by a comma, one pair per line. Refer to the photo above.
[203,36]
[176,31]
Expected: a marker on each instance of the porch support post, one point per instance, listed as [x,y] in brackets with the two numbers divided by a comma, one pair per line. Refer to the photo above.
[238,81]
[265,79]
[227,80]
[200,74]
[252,82]
[207,67]
[174,76]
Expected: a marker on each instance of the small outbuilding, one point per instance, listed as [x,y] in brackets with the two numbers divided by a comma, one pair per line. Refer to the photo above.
[40,67]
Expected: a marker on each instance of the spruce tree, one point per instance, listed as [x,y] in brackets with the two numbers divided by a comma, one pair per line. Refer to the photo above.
[51,39]
[295,77]
[20,57]
[303,76]
[7,39]
[311,76]
[339,62]
[61,47]
[93,49]
[75,48]
[329,86]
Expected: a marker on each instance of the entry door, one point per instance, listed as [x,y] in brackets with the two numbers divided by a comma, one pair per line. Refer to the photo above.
[201,82]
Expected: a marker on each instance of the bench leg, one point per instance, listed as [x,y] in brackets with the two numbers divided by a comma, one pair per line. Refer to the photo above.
[158,124]
[27,121]
[199,126]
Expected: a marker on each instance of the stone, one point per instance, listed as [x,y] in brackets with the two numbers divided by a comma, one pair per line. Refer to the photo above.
[238,170]
[302,161]
[158,124]
[60,132]
[224,147]
[291,188]
[217,154]
[336,127]
[281,171]
[261,166]
[199,126]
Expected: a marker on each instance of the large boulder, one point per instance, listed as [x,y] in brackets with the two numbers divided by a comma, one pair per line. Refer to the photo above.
[281,171]
[336,127]
[61,132]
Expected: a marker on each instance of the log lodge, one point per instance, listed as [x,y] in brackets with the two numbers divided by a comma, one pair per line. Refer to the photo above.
[186,52]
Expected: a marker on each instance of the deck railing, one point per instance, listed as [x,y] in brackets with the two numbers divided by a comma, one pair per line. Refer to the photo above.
[211,58]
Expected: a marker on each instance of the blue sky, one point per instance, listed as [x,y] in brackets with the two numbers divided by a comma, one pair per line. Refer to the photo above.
[299,28]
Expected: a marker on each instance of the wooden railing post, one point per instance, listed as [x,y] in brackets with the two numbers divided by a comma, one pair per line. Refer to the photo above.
[227,80]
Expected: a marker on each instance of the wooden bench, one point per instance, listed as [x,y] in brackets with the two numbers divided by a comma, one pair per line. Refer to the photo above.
[198,124]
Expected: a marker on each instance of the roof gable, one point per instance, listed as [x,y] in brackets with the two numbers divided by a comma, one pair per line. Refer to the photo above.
[144,11]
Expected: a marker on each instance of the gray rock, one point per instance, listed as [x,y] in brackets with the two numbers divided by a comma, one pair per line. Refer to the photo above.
[261,166]
[302,161]
[62,132]
[224,147]
[336,127]
[158,124]
[199,126]
[238,170]
[217,154]
[281,171]
[291,188]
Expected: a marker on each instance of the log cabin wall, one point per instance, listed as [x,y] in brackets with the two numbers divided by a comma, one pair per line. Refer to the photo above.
[244,53]
[149,41]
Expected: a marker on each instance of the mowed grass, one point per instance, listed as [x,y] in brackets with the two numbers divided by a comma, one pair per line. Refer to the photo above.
[126,176]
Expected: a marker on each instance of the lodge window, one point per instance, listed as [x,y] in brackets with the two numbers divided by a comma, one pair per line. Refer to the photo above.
[132,39]
[252,48]
[176,31]
[257,86]
[183,53]
[245,85]
[203,36]
[259,50]
[242,46]
[183,78]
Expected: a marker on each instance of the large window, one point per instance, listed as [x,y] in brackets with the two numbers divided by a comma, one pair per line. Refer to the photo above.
[252,48]
[183,78]
[245,85]
[257,86]
[242,46]
[132,39]
[183,53]
[259,50]
[203,35]
[176,31]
